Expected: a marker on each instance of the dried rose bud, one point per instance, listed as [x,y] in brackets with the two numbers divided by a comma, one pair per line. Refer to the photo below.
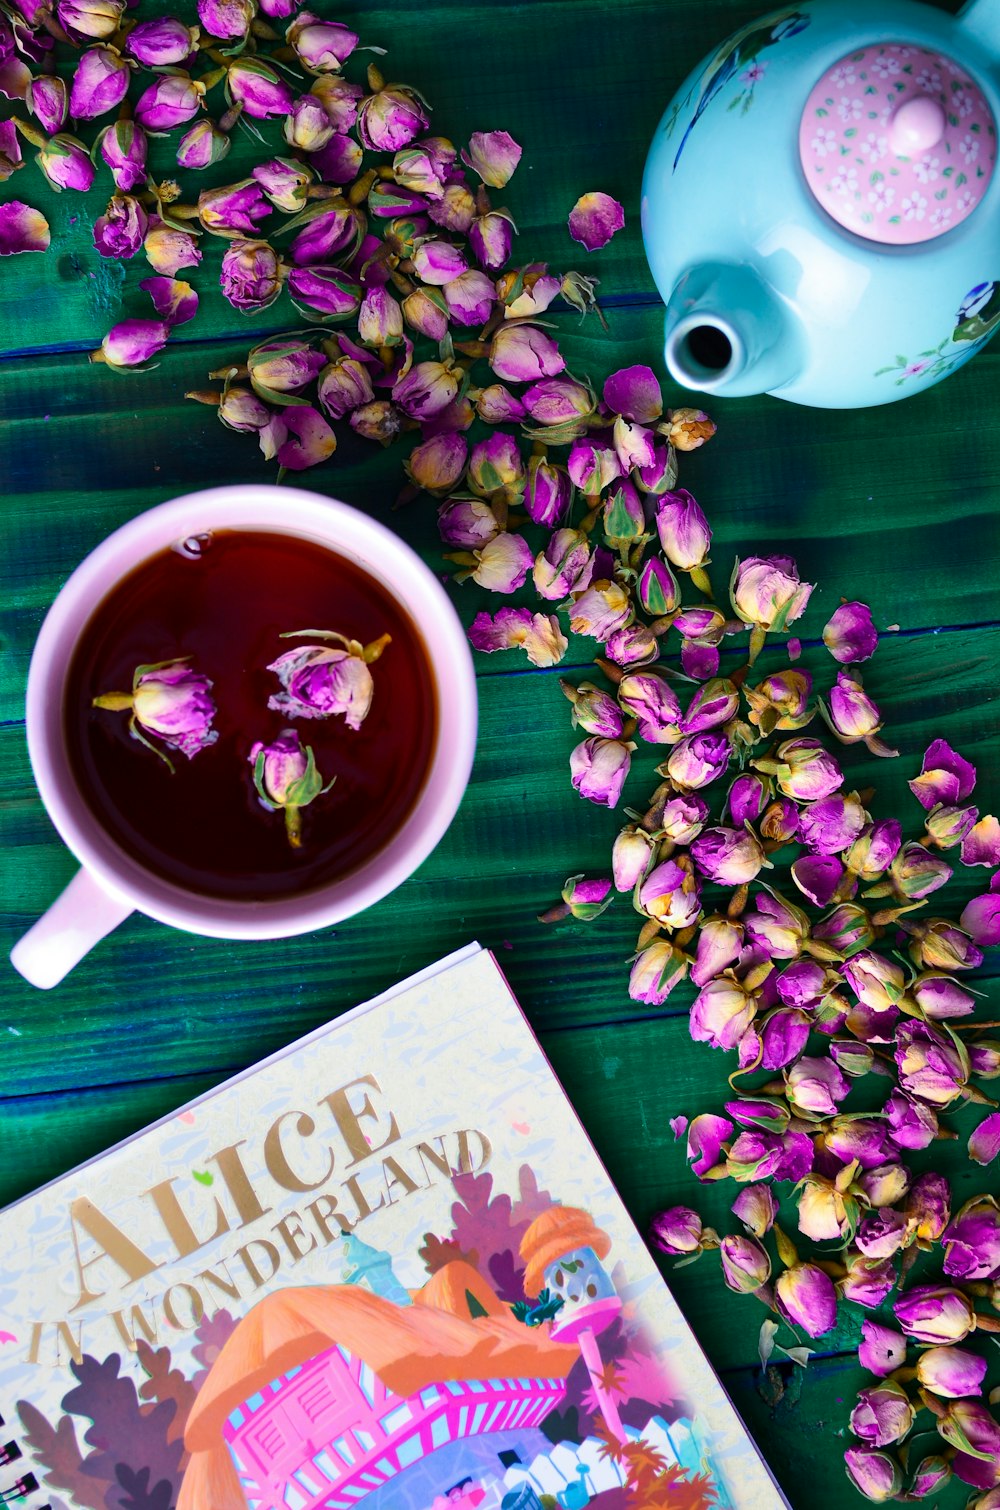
[911,1123]
[526,292]
[496,466]
[455,210]
[321,680]
[424,166]
[852,713]
[698,759]
[307,127]
[972,1240]
[379,420]
[767,593]
[756,1208]
[469,298]
[947,826]
[502,565]
[548,493]
[928,1206]
[171,101]
[944,776]
[587,899]
[426,310]
[241,410]
[594,711]
[599,767]
[781,701]
[426,389]
[720,944]
[161,42]
[780,821]
[745,1264]
[658,589]
[633,645]
[850,634]
[559,401]
[634,852]
[100,83]
[325,291]
[228,20]
[48,98]
[689,428]
[815,1085]
[233,208]
[845,927]
[984,1141]
[120,231]
[875,849]
[297,438]
[132,343]
[592,466]
[951,1372]
[66,163]
[601,609]
[930,1066]
[283,366]
[438,464]
[981,845]
[935,1314]
[683,530]
[594,219]
[284,181]
[256,87]
[882,1350]
[467,523]
[521,353]
[968,1426]
[874,1474]
[984,1057]
[123,148]
[722,1011]
[656,970]
[391,116]
[285,775]
[777,927]
[731,856]
[885,1184]
[202,145]
[868,1280]
[250,276]
[169,702]
[940,997]
[877,982]
[915,873]
[678,1230]
[805,1296]
[538,635]
[498,406]
[654,705]
[490,237]
[883,1414]
[564,566]
[322,46]
[84,19]
[805,770]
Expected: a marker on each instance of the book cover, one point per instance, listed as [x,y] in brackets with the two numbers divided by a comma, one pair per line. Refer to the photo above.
[384,1268]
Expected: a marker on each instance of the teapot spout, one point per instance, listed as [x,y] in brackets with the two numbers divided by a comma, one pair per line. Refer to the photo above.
[981,19]
[728,333]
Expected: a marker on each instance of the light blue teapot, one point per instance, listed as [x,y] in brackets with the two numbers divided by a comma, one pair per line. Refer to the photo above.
[821,203]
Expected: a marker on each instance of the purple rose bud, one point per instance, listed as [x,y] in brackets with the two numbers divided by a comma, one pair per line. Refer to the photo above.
[100,83]
[832,824]
[548,494]
[783,1035]
[498,406]
[558,401]
[527,291]
[877,982]
[426,310]
[911,1123]
[592,466]
[84,19]
[681,818]
[802,984]
[380,420]
[522,353]
[633,852]
[202,145]
[123,148]
[706,1135]
[655,973]
[747,798]
[731,856]
[778,928]
[929,1065]
[390,118]
[760,1155]
[745,1264]
[228,20]
[328,292]
[928,1206]
[698,759]
[818,877]
[496,467]
[634,445]
[756,1208]
[944,776]
[586,898]
[885,1184]
[490,237]
[594,219]
[683,530]
[981,845]
[470,298]
[815,1085]
[654,705]
[284,181]
[780,820]
[767,593]
[161,42]
[868,1280]
[502,564]
[633,645]
[940,997]
[297,438]
[455,210]
[48,98]
[340,99]
[467,523]
[426,389]
[241,410]
[720,943]
[285,776]
[670,894]
[713,704]
[951,1372]
[424,167]
[600,609]
[948,826]
[968,1425]
[874,1474]
[930,1474]
[251,275]
[850,634]
[722,1011]
[437,464]
[66,163]
[599,767]
[935,1314]
[322,46]
[493,155]
[806,771]
[972,1241]
[255,86]
[168,251]
[635,393]
[170,101]
[874,850]
[283,366]
[805,1296]
[659,593]
[564,566]
[981,919]
[132,343]
[882,1350]
[233,208]
[916,873]
[169,703]
[984,1141]
[380,319]
[883,1414]
[845,928]
[676,1231]
[438,262]
[119,232]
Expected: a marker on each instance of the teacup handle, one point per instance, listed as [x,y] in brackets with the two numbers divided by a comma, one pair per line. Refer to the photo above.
[77,920]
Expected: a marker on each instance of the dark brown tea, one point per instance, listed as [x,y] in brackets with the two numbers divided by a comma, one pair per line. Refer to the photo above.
[223,600]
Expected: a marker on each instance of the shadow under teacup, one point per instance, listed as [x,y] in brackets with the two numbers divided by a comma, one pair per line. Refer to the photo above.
[114,881]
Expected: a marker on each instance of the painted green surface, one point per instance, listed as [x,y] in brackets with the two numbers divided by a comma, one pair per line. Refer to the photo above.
[899,506]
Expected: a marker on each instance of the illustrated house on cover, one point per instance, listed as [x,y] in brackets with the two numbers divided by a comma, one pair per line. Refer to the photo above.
[330,1396]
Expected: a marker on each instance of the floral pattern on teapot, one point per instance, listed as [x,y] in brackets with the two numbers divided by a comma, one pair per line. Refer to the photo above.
[977,318]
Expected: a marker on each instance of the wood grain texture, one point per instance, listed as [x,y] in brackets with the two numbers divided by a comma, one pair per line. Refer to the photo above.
[898,506]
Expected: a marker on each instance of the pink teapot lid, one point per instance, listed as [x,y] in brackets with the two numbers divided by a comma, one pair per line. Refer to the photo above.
[897,143]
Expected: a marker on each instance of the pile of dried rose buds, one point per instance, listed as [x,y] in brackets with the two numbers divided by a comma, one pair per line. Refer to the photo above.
[391,235]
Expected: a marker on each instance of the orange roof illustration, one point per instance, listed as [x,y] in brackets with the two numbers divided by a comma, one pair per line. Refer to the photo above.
[556,1232]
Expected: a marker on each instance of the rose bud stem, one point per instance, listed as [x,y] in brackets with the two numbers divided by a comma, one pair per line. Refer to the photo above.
[360,189]
[611,671]
[259,28]
[115,702]
[210,396]
[701,580]
[221,374]
[228,120]
[293,826]
[554,914]
[647,933]
[738,901]
[36,138]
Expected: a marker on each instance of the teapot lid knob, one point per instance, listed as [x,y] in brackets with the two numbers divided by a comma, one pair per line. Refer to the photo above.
[898,143]
[917,126]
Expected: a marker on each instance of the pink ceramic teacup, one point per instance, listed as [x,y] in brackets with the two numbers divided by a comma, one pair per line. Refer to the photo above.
[110,883]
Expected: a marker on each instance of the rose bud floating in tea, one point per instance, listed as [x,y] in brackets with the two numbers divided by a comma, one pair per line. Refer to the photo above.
[170,702]
[285,775]
[319,680]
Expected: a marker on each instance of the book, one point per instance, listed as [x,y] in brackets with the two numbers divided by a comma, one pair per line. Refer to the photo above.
[383,1268]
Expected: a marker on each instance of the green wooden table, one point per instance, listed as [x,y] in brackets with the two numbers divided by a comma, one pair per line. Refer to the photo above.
[898,506]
